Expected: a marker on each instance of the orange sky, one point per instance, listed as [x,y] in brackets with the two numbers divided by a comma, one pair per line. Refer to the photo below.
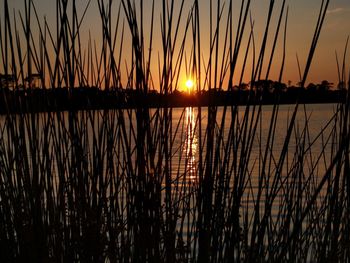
[302,21]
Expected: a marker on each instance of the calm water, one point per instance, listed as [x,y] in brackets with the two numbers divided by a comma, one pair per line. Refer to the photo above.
[315,117]
[310,135]
[185,137]
[108,143]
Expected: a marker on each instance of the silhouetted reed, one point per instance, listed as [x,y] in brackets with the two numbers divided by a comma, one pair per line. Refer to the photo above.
[126,185]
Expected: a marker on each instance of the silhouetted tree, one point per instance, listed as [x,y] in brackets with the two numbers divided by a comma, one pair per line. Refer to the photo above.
[265,86]
[33,81]
[341,85]
[243,86]
[279,87]
[325,85]
[312,87]
[7,81]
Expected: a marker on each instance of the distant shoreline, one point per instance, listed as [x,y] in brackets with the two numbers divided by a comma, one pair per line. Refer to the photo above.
[53,100]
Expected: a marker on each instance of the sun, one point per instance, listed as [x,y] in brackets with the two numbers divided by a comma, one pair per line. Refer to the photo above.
[189,85]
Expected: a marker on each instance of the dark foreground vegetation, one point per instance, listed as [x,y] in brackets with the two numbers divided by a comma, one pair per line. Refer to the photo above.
[126,185]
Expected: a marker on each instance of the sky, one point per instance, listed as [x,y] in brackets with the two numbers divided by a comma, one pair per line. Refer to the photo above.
[301,24]
[333,37]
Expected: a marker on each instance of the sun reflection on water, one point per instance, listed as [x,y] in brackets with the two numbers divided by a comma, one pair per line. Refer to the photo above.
[190,146]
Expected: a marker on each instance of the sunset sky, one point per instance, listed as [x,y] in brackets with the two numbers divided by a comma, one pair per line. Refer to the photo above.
[302,20]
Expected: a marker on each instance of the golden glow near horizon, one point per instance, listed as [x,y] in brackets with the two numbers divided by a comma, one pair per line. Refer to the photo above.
[189,85]
[301,22]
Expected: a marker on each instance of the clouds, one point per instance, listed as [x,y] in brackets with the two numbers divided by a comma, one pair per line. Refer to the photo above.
[336,10]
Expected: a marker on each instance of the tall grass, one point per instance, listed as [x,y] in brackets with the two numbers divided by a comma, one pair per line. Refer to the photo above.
[122,185]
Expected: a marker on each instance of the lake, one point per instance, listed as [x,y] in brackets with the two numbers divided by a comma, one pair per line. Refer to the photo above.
[173,174]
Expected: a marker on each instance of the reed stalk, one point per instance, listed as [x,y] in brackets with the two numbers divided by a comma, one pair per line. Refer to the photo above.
[204,184]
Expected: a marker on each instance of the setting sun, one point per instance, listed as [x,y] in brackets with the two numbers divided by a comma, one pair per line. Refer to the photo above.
[189,85]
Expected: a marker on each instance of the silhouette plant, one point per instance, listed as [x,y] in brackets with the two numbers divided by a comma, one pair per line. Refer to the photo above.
[119,185]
